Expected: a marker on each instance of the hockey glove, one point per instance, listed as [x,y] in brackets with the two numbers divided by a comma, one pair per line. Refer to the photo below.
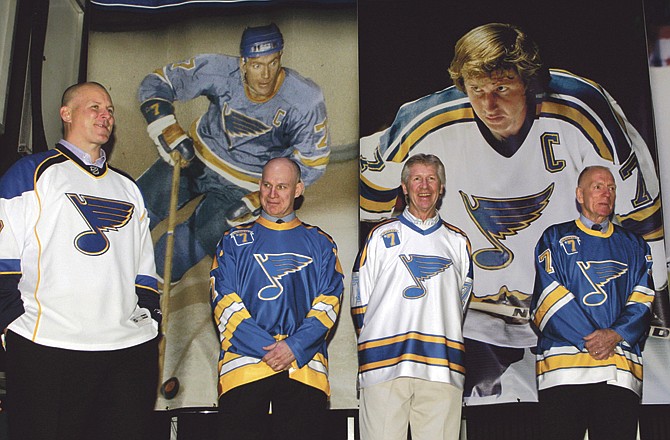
[166,132]
[245,210]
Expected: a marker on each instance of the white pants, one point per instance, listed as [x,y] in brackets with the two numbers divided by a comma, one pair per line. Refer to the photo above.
[432,409]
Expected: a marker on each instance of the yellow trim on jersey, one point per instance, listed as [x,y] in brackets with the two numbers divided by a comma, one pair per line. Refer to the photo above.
[234,320]
[584,360]
[412,335]
[412,357]
[311,375]
[426,127]
[372,206]
[238,177]
[313,162]
[255,369]
[589,127]
[548,302]
[641,297]
[332,303]
[643,214]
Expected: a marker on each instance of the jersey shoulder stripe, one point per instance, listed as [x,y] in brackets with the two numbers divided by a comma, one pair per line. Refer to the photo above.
[26,172]
[587,106]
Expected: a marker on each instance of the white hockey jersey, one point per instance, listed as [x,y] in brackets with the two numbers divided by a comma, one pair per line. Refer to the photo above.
[76,258]
[410,288]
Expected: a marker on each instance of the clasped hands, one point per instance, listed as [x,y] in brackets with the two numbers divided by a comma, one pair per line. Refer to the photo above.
[601,343]
[279,356]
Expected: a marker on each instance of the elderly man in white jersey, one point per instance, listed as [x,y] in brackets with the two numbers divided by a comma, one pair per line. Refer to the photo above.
[411,285]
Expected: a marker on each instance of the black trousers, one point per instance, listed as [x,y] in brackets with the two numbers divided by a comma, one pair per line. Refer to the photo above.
[608,412]
[298,410]
[57,394]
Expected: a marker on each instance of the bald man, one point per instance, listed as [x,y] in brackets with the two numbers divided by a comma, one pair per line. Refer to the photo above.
[78,289]
[276,293]
[592,307]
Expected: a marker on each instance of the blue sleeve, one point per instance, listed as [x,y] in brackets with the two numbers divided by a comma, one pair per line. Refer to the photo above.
[310,336]
[633,323]
[16,189]
[201,75]
[555,311]
[238,331]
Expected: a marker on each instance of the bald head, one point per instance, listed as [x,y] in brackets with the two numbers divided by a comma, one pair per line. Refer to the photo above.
[280,185]
[73,91]
[88,117]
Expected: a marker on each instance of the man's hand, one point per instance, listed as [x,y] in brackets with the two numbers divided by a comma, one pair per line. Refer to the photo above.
[166,132]
[245,210]
[279,356]
[601,343]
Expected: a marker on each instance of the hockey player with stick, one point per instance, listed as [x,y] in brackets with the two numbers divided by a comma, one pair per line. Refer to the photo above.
[258,110]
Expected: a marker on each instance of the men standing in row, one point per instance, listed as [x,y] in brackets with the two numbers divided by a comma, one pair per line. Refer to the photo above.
[258,110]
[592,305]
[514,137]
[78,289]
[411,285]
[276,293]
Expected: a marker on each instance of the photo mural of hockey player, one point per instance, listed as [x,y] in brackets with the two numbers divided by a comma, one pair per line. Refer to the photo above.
[513,132]
[230,89]
[258,110]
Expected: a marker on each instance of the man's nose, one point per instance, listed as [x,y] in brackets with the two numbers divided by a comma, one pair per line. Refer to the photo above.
[490,101]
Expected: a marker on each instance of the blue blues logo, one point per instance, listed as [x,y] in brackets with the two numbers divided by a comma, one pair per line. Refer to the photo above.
[236,124]
[499,218]
[277,266]
[599,273]
[101,216]
[422,268]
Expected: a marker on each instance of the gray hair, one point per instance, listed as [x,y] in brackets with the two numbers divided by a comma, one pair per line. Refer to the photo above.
[424,159]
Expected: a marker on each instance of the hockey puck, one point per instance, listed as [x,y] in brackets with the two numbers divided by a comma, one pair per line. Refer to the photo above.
[170,388]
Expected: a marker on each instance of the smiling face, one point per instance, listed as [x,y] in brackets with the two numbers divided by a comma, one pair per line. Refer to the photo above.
[279,187]
[596,194]
[261,75]
[88,118]
[423,189]
[499,101]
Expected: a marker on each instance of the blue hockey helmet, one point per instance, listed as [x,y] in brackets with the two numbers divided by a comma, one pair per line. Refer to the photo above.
[261,40]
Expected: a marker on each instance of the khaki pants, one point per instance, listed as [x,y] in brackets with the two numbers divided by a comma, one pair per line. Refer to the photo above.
[432,409]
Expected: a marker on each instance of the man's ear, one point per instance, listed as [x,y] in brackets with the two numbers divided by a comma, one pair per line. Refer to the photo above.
[66,114]
[579,194]
[299,189]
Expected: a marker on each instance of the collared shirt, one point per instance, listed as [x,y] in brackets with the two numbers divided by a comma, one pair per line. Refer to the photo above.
[589,224]
[84,156]
[286,219]
[423,224]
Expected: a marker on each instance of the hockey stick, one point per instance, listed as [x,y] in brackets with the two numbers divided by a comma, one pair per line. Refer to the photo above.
[170,387]
[501,309]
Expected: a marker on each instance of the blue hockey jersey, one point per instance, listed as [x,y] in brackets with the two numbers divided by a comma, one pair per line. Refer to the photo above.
[272,282]
[588,280]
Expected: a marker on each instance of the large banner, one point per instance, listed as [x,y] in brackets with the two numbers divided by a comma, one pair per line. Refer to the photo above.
[594,109]
[319,44]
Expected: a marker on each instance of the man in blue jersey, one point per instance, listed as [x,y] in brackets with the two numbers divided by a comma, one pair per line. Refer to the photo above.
[411,285]
[276,293]
[592,305]
[258,110]
[78,290]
